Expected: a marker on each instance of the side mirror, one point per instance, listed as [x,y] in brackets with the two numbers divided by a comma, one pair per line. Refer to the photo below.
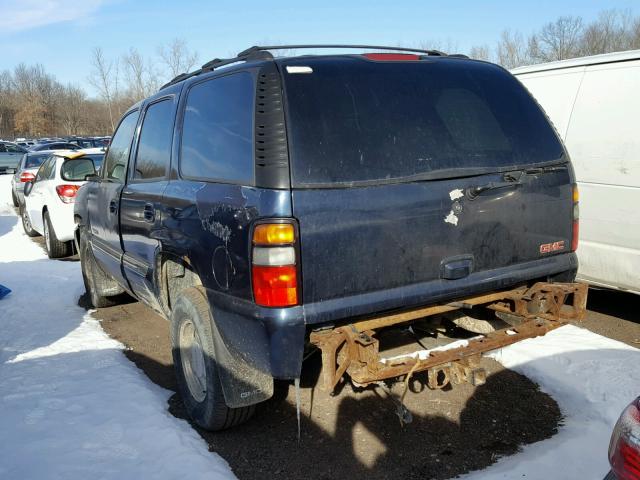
[92,177]
[27,188]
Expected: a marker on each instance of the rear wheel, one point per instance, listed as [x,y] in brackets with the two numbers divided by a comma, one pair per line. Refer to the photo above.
[91,274]
[26,222]
[195,364]
[55,248]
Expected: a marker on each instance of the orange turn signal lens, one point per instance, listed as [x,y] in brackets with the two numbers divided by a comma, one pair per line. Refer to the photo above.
[576,194]
[273,234]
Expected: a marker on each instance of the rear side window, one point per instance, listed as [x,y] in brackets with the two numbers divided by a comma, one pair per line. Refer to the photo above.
[118,154]
[217,138]
[353,121]
[77,169]
[154,147]
[34,161]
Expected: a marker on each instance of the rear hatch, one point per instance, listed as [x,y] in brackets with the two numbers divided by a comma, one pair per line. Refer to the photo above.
[406,172]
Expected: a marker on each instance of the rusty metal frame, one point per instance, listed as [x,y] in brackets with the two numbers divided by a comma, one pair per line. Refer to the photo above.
[535,311]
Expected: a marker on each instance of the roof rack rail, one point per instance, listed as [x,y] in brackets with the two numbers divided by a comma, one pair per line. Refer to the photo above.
[219,62]
[261,52]
[257,48]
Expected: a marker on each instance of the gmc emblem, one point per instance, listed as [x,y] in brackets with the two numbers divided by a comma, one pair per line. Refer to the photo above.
[551,247]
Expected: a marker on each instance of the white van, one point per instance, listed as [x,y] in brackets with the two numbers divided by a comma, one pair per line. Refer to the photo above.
[594,103]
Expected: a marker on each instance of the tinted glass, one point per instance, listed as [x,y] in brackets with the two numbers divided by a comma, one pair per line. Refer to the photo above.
[3,148]
[77,169]
[217,138]
[97,159]
[14,148]
[154,147]
[34,161]
[45,169]
[118,154]
[352,121]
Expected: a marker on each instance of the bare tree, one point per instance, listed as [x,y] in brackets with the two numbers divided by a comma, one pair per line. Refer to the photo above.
[512,50]
[559,40]
[104,78]
[141,78]
[177,57]
[480,52]
[72,109]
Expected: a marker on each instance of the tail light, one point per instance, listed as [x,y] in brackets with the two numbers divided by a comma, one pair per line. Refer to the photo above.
[390,57]
[576,219]
[67,193]
[624,448]
[26,177]
[274,270]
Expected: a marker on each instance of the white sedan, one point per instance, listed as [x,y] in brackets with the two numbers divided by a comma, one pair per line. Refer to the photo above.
[49,198]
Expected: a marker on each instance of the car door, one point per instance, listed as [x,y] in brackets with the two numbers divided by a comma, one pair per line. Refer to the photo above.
[141,203]
[36,198]
[103,202]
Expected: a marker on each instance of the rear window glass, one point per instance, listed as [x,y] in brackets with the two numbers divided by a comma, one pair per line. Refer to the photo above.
[362,121]
[34,161]
[77,169]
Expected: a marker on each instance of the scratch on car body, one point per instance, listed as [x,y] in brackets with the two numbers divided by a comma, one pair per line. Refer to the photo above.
[451,218]
[456,194]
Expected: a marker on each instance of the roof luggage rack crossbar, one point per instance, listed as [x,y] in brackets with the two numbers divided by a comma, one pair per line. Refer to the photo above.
[257,48]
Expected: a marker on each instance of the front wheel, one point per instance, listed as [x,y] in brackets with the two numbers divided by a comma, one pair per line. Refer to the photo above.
[195,364]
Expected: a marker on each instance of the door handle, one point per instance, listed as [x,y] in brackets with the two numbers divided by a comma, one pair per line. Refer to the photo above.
[113,206]
[149,213]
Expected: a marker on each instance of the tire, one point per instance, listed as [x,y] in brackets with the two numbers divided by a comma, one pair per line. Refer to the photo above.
[197,372]
[55,248]
[26,223]
[14,199]
[92,272]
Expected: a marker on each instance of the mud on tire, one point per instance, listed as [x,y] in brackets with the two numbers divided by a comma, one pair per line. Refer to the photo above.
[195,364]
[91,274]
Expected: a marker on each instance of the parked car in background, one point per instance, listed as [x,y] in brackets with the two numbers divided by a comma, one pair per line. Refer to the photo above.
[87,142]
[54,146]
[395,182]
[10,155]
[49,198]
[594,105]
[624,447]
[26,172]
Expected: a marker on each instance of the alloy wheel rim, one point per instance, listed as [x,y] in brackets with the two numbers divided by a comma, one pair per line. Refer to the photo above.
[192,359]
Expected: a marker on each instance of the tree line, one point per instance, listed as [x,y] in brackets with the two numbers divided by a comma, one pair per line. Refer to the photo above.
[33,103]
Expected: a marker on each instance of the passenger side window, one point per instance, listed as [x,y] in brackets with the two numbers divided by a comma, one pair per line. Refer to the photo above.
[217,136]
[154,146]
[3,149]
[118,154]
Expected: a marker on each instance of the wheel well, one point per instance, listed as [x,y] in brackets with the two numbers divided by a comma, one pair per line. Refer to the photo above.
[177,274]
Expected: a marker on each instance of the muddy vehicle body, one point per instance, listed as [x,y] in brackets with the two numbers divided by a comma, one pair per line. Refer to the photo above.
[266,205]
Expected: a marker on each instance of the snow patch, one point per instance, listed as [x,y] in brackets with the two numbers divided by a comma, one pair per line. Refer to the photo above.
[456,194]
[451,218]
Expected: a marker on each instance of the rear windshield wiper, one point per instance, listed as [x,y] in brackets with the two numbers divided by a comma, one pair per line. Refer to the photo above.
[512,179]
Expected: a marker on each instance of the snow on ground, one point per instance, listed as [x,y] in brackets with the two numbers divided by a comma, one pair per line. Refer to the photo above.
[592,378]
[71,404]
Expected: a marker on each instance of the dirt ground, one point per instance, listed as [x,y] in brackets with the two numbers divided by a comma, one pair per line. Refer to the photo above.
[357,434]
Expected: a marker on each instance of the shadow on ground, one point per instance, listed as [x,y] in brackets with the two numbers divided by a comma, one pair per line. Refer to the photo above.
[356,434]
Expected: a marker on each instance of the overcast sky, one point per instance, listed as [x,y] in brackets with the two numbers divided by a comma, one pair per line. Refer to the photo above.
[60,34]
